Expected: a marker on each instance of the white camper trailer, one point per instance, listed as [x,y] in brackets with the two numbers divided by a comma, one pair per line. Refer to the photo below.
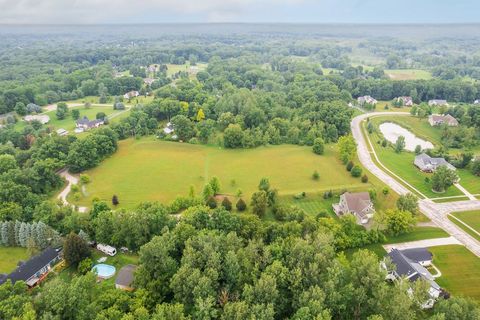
[111,251]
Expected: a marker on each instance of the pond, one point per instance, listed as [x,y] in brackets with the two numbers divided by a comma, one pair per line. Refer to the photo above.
[392,131]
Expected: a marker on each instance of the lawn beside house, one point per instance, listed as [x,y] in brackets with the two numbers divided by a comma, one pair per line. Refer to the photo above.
[153,170]
[10,256]
[471,218]
[402,163]
[460,270]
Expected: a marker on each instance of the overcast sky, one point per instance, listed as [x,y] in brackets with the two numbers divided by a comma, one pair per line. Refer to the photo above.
[302,11]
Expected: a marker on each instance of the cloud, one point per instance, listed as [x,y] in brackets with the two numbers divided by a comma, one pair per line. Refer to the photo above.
[117,11]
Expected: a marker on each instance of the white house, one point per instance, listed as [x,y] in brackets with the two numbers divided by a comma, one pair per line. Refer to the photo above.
[62,132]
[437,102]
[168,128]
[366,100]
[357,204]
[428,164]
[131,94]
[42,118]
[406,101]
[111,251]
[437,119]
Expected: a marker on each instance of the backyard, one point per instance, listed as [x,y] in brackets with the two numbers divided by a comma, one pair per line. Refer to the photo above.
[10,256]
[460,270]
[153,170]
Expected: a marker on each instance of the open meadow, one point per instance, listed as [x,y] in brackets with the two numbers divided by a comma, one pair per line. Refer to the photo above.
[153,170]
[408,74]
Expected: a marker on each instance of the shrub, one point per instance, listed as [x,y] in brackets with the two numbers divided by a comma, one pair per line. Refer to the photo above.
[356,171]
[241,205]
[115,201]
[315,175]
[385,191]
[364,178]
[322,214]
[300,195]
[227,204]
[318,146]
[211,202]
[384,143]
[84,178]
[350,165]
[85,265]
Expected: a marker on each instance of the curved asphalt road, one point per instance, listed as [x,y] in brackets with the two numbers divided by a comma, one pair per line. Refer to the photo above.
[437,212]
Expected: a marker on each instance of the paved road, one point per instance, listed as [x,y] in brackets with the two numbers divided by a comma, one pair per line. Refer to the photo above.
[437,212]
[423,243]
[71,180]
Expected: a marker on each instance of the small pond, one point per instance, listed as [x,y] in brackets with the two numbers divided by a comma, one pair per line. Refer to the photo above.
[392,131]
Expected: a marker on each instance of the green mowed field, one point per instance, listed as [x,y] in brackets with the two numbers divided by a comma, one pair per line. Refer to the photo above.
[472,218]
[10,256]
[402,163]
[408,74]
[153,170]
[460,270]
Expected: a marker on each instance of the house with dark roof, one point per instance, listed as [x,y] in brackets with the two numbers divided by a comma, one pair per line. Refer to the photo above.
[36,269]
[437,102]
[125,278]
[410,264]
[428,164]
[85,124]
[436,120]
[358,204]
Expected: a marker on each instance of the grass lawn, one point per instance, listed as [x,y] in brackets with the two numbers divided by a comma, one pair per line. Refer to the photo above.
[460,270]
[154,170]
[174,68]
[402,163]
[418,233]
[408,74]
[69,123]
[472,218]
[10,256]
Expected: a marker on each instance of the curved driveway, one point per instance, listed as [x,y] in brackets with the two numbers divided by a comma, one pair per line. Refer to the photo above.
[437,212]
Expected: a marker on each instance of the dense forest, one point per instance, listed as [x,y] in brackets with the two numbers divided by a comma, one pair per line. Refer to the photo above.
[259,87]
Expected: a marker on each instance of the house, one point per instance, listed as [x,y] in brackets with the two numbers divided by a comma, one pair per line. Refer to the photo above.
[131,94]
[62,132]
[406,101]
[36,269]
[125,278]
[476,101]
[436,120]
[437,102]
[366,100]
[357,204]
[153,68]
[148,81]
[428,164]
[111,251]
[84,124]
[169,128]
[408,264]
[42,118]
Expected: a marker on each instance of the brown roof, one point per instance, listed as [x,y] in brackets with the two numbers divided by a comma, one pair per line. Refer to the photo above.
[357,202]
[125,275]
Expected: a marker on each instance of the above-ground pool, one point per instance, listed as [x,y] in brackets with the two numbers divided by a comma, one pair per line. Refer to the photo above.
[104,271]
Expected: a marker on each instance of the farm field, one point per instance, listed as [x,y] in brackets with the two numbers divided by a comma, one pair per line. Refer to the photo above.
[408,74]
[153,170]
[460,270]
[472,218]
[10,256]
[402,163]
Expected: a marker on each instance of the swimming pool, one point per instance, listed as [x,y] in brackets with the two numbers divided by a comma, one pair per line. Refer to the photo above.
[104,271]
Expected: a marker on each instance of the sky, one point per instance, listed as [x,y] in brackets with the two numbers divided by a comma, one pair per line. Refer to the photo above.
[194,11]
